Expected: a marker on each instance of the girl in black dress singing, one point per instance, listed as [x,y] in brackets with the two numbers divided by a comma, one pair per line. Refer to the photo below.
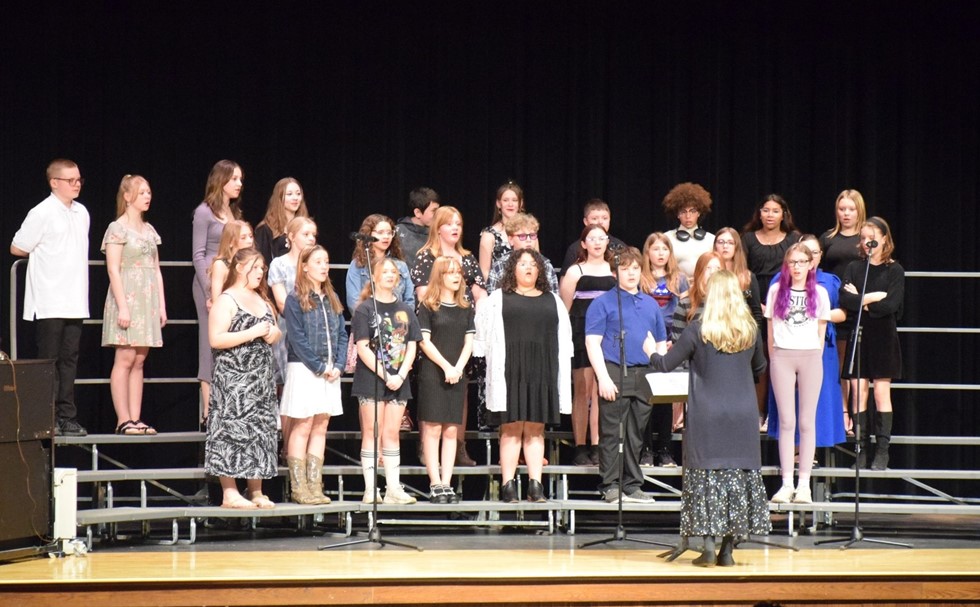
[446,320]
[840,246]
[880,351]
[524,333]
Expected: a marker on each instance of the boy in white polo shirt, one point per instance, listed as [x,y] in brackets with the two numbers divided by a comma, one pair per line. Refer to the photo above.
[54,238]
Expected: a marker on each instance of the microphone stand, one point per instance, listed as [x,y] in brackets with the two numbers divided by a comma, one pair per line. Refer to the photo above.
[857,535]
[619,535]
[374,533]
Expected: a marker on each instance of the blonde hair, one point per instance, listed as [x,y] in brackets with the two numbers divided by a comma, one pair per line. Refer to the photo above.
[727,322]
[442,266]
[376,270]
[128,187]
[672,274]
[296,224]
[859,206]
[305,284]
[230,235]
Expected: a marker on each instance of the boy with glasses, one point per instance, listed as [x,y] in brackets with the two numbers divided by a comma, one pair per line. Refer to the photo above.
[522,233]
[54,238]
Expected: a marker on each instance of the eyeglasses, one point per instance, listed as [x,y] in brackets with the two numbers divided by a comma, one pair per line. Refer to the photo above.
[527,236]
[725,243]
[690,211]
[71,181]
[382,233]
[596,239]
[798,263]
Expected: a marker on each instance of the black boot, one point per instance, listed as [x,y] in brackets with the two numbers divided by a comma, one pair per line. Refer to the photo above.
[678,550]
[725,558]
[535,492]
[508,492]
[883,438]
[708,557]
[861,438]
[582,456]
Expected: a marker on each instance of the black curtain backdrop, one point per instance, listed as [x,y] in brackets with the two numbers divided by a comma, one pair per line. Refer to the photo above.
[363,101]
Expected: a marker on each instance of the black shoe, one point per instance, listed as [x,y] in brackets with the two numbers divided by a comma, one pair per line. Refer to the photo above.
[69,427]
[725,558]
[646,457]
[535,492]
[665,459]
[582,456]
[508,492]
[438,495]
[594,455]
[450,494]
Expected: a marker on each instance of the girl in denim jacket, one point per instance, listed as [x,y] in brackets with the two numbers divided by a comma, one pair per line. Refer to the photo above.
[314,365]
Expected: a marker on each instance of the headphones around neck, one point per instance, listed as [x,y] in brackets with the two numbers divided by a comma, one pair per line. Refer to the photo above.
[683,235]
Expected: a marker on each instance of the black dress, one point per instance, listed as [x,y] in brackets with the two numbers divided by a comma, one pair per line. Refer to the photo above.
[881,352]
[587,289]
[765,260]
[447,327]
[838,253]
[241,439]
[531,359]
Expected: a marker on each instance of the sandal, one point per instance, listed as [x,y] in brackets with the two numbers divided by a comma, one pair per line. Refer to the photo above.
[260,500]
[145,427]
[239,503]
[129,428]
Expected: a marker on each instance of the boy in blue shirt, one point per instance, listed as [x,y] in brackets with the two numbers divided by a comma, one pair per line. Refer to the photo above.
[623,398]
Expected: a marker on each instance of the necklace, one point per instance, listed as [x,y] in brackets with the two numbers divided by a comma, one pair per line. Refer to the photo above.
[525,292]
[769,240]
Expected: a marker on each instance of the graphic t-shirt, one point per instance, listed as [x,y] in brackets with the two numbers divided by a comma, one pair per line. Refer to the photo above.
[798,330]
[398,326]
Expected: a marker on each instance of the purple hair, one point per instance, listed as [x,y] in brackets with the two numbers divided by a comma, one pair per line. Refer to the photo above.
[781,306]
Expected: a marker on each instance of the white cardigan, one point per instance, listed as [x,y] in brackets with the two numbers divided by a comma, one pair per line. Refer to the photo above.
[489,343]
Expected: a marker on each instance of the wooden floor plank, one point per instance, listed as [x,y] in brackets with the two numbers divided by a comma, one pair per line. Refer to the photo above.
[497,577]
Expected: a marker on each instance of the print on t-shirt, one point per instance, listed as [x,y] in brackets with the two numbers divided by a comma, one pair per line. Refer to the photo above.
[796,314]
[395,337]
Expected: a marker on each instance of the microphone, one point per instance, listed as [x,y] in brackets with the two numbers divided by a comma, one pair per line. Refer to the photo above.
[358,237]
[871,244]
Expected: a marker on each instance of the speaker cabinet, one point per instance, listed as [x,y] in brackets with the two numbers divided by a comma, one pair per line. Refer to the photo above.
[26,426]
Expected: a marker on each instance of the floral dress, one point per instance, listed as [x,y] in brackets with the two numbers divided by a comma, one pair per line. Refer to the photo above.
[138,271]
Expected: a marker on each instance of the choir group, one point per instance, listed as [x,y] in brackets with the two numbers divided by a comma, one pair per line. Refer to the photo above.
[740,310]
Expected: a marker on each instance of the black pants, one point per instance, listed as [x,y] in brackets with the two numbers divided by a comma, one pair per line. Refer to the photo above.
[632,409]
[661,424]
[58,339]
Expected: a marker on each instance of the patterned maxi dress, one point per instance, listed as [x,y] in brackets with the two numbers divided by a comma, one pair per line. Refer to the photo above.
[242,440]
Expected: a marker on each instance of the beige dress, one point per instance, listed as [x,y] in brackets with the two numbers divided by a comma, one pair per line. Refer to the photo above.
[138,270]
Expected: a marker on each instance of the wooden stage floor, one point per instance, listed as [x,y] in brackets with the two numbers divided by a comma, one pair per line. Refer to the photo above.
[622,574]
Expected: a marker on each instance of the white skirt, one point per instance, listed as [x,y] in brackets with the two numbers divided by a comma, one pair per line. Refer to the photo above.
[306,394]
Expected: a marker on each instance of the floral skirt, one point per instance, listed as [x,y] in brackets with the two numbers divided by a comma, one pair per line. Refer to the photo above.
[724,502]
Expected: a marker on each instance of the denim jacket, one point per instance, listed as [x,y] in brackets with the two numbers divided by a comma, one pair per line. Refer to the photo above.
[307,334]
[358,276]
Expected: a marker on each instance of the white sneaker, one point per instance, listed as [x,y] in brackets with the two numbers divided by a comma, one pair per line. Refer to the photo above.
[784,495]
[802,496]
[397,495]
[367,497]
